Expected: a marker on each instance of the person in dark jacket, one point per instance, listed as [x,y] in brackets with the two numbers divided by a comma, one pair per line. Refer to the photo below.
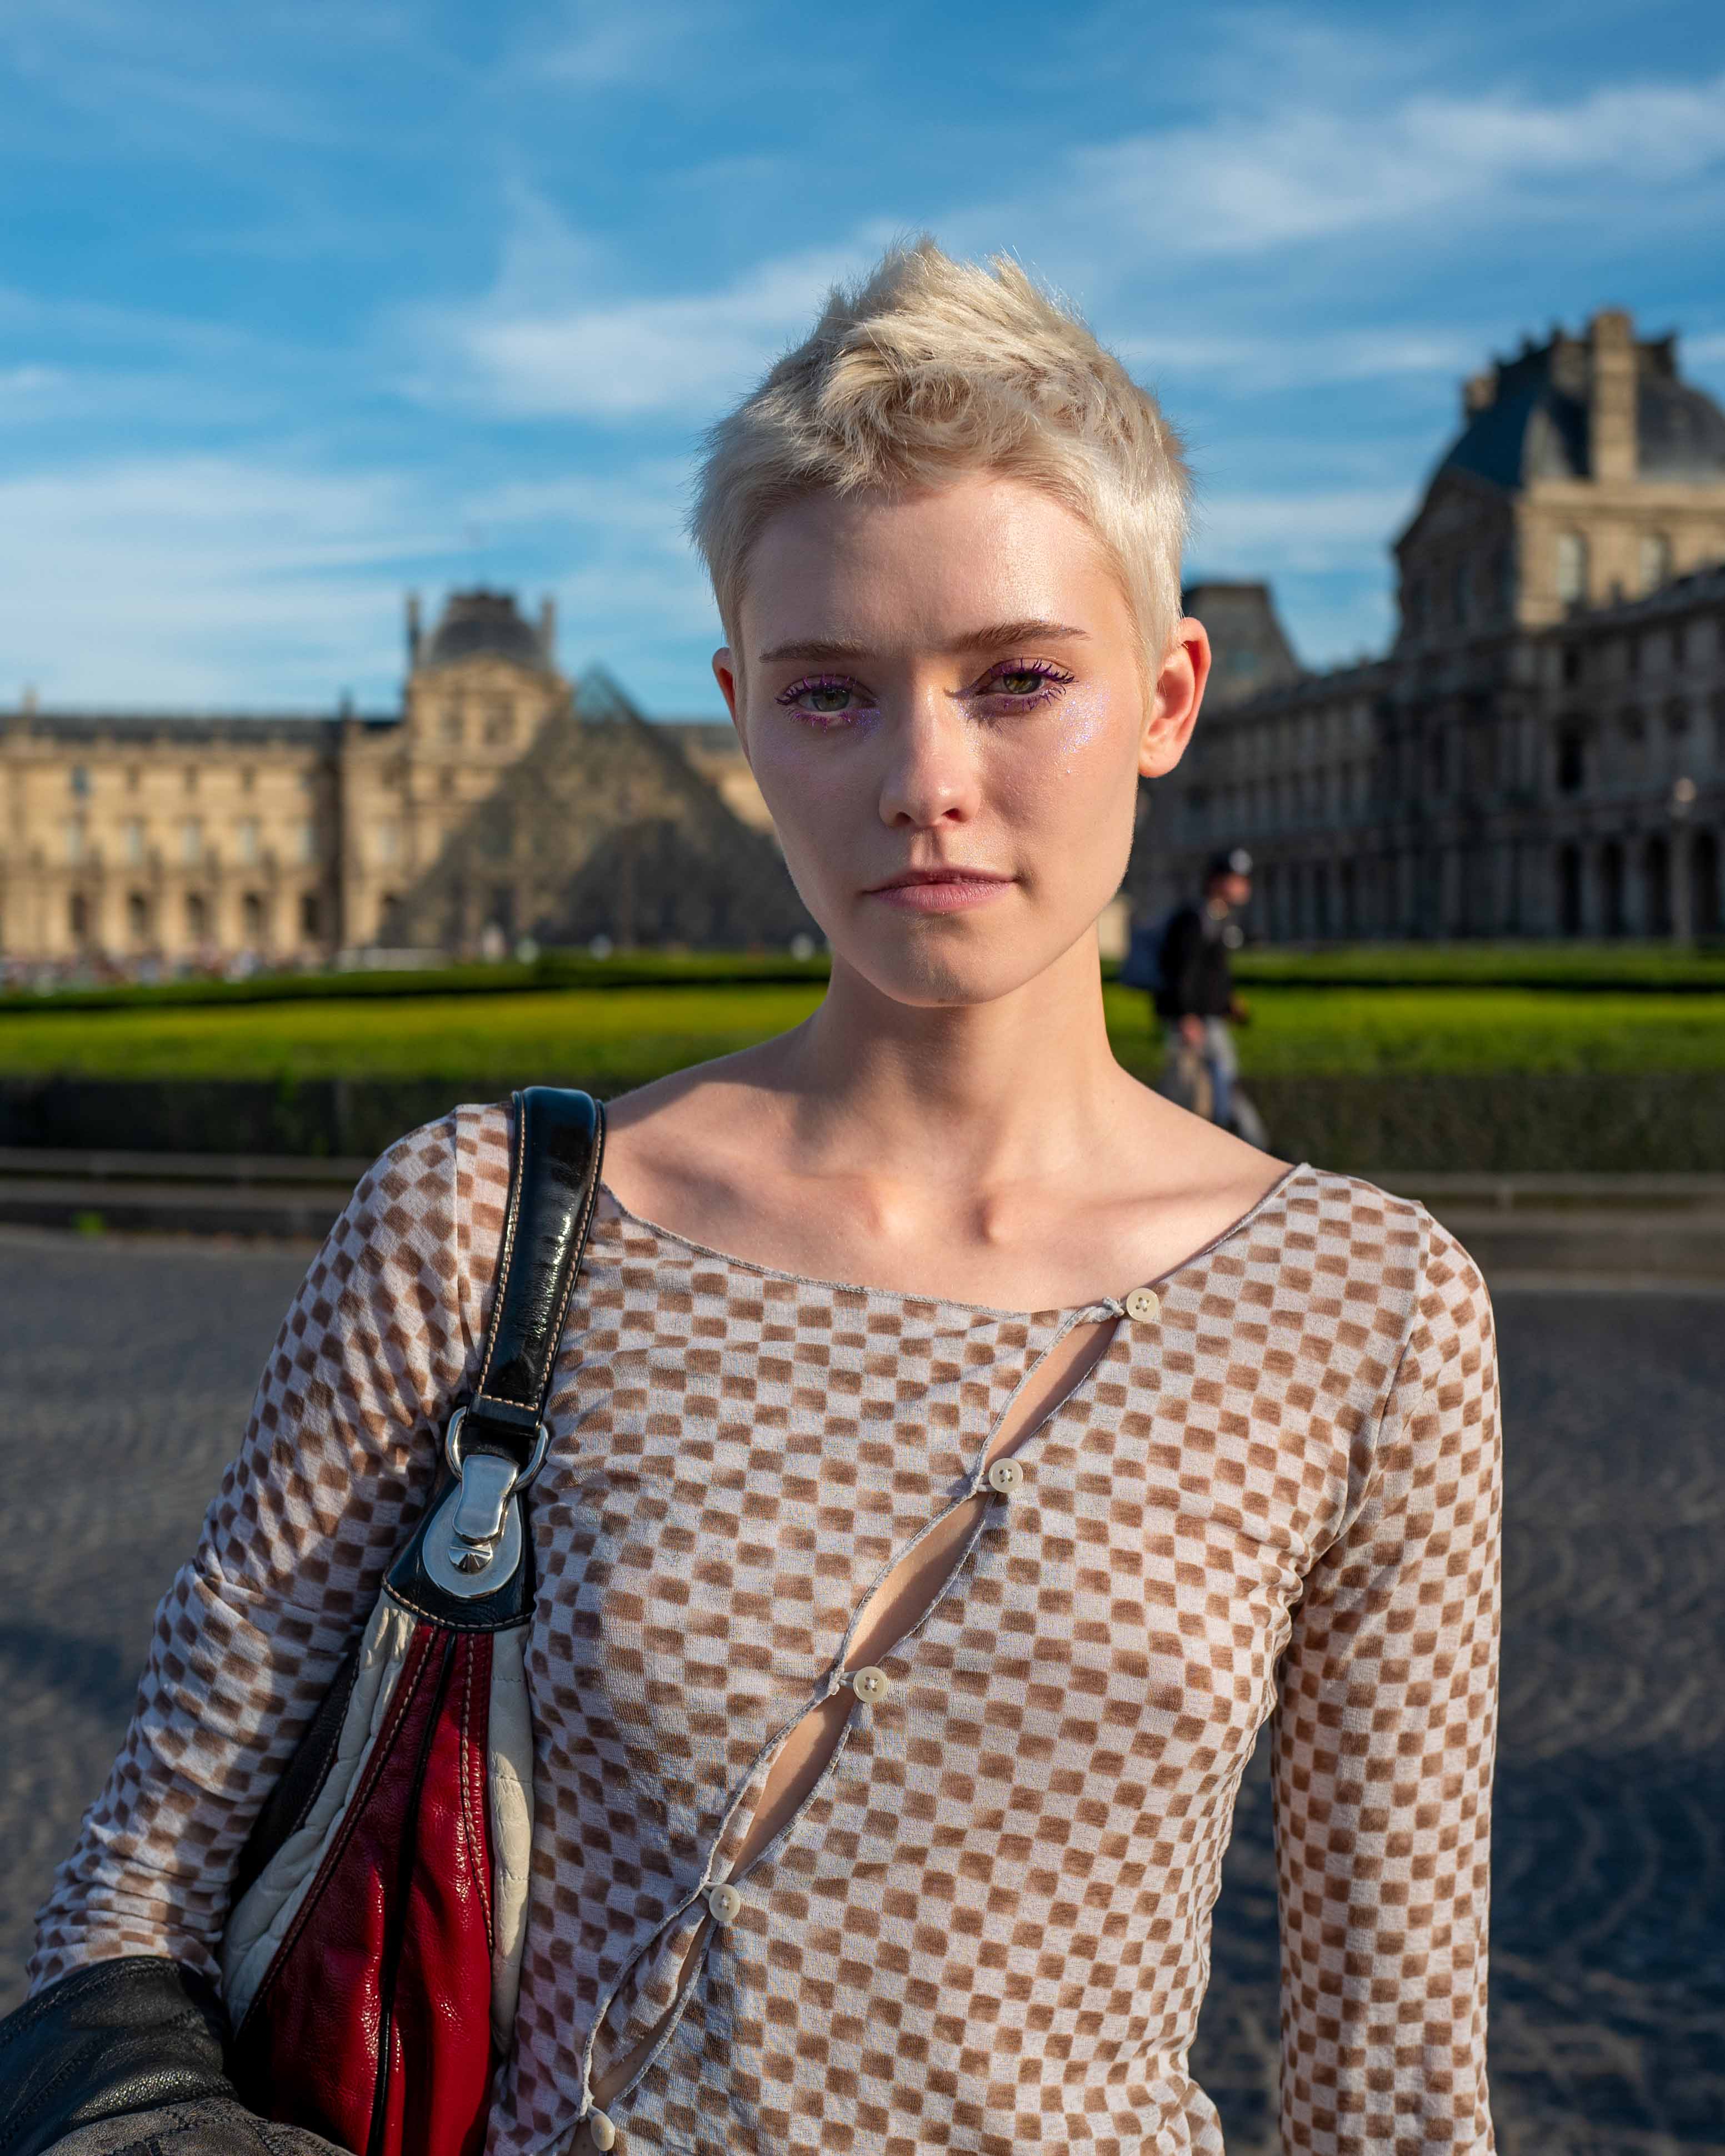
[1194,993]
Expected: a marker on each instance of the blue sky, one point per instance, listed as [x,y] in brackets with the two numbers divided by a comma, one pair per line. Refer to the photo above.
[302,305]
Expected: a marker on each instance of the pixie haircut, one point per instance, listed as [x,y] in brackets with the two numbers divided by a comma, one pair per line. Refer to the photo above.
[930,369]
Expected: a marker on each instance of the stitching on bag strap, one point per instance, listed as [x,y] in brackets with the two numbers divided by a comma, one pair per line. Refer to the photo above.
[517,1176]
[581,1226]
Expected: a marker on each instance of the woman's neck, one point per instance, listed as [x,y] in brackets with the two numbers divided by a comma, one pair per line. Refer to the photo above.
[1016,1087]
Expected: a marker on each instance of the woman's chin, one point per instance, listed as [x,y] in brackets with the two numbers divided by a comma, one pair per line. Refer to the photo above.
[942,979]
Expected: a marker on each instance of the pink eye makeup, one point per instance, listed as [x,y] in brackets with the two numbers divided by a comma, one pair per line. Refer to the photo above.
[1022,685]
[828,699]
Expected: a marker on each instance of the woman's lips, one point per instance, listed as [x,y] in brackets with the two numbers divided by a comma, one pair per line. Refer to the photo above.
[944,893]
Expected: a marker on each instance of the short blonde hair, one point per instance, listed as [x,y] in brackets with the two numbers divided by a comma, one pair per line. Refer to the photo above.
[930,367]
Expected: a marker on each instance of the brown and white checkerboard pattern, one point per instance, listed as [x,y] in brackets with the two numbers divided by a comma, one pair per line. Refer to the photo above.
[989,1924]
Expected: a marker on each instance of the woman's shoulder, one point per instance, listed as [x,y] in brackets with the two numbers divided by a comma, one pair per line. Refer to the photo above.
[435,1198]
[1389,1247]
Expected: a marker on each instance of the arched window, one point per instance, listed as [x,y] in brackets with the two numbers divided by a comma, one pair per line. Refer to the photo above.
[1612,915]
[197,916]
[137,916]
[77,917]
[1704,911]
[1656,887]
[1571,567]
[251,919]
[1656,563]
[311,915]
[1571,761]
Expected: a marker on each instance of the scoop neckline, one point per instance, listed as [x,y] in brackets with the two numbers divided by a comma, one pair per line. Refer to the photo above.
[900,1295]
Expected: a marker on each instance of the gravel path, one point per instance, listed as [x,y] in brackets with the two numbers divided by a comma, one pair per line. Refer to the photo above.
[126,1369]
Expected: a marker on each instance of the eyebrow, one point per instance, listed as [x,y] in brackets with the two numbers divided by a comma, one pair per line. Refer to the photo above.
[989,639]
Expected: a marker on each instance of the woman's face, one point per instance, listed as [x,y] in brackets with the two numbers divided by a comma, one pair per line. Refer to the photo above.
[942,700]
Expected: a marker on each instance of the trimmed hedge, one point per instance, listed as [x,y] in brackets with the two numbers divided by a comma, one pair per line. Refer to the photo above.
[1507,1122]
[1501,1122]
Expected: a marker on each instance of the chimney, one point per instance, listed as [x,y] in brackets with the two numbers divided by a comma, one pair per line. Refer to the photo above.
[548,630]
[1479,393]
[412,630]
[1611,411]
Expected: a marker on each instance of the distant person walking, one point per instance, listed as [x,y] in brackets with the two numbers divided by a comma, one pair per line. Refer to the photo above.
[1194,993]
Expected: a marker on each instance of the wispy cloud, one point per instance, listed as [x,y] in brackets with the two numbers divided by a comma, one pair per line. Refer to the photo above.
[1295,357]
[623,359]
[1326,159]
[1307,533]
[1304,170]
[595,47]
[305,293]
[204,579]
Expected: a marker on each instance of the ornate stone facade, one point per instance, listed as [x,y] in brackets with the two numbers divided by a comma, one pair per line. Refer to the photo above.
[497,799]
[1542,752]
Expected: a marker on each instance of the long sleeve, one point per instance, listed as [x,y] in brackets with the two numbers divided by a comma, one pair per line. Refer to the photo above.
[1383,1759]
[337,1461]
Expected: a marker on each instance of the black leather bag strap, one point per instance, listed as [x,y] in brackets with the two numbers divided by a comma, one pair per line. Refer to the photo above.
[469,1565]
[557,1150]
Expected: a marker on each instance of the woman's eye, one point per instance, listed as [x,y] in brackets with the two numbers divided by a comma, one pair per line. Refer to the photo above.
[824,699]
[1022,685]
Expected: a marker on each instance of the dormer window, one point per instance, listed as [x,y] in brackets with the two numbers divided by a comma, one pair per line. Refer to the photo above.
[1656,561]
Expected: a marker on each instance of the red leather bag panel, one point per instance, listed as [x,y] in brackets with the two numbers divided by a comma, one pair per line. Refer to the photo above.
[392,1945]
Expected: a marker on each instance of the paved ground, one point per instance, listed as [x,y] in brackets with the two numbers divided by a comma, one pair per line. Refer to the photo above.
[126,1369]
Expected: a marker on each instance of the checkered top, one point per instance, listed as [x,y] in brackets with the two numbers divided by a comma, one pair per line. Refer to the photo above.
[989,1925]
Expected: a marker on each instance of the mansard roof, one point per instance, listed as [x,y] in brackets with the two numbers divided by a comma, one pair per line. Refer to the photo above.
[1530,418]
[482,623]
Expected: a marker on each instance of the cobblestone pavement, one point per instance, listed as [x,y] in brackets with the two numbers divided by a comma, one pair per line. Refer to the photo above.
[126,1369]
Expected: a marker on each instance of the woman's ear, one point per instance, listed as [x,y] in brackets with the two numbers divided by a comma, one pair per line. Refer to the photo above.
[1175,695]
[729,677]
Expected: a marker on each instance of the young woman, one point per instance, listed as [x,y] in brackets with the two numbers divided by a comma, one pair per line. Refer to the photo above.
[957,1452]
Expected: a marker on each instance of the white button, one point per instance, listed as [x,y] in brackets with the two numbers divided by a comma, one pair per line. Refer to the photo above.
[1005,1476]
[603,2132]
[1142,1304]
[870,1684]
[724,1902]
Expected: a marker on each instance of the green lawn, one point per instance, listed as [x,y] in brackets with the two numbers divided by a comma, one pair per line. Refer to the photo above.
[608,1037]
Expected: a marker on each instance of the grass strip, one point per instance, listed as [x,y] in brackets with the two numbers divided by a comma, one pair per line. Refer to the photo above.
[606,1036]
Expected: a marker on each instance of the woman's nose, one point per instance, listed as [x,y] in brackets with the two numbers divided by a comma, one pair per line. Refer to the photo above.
[930,776]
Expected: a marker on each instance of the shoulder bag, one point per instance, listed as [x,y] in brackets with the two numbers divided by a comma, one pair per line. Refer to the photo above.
[372,1959]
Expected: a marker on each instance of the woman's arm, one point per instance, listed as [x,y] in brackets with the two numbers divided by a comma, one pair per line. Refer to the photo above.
[1383,1761]
[337,1458]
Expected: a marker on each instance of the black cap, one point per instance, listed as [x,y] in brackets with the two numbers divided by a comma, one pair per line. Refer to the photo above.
[1235,862]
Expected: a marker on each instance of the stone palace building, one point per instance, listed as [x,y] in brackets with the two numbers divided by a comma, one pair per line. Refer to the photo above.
[498,802]
[1542,752]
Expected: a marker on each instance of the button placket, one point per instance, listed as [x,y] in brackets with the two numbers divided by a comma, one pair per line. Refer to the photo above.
[870,1685]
